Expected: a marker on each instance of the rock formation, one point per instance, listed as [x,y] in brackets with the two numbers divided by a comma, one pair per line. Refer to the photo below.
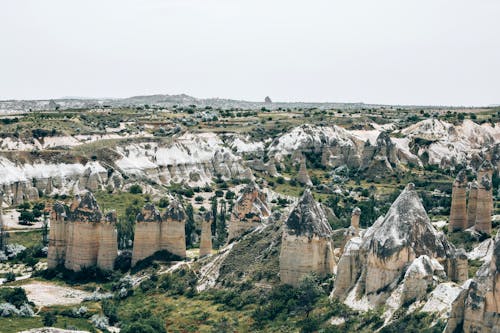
[486,168]
[303,176]
[306,245]
[377,261]
[484,204]
[206,235]
[155,232]
[378,159]
[147,233]
[249,211]
[80,236]
[458,211]
[472,204]
[477,308]
[355,215]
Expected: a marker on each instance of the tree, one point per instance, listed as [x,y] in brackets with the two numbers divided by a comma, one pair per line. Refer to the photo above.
[214,214]
[189,227]
[221,225]
[308,292]
[135,189]
[49,319]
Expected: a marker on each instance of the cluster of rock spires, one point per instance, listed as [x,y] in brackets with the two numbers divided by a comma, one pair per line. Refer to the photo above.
[477,307]
[249,211]
[402,246]
[155,231]
[478,212]
[81,235]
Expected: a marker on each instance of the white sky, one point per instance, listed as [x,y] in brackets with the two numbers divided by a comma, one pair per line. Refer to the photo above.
[374,51]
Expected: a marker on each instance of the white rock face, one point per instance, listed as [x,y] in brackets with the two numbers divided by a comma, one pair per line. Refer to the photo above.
[452,144]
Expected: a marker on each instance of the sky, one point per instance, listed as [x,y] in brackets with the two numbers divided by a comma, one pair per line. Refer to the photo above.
[420,52]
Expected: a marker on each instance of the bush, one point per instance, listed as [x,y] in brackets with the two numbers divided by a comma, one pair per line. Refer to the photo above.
[15,296]
[10,277]
[49,319]
[135,189]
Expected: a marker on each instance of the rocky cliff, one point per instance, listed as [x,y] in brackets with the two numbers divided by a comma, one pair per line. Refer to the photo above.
[306,245]
[80,236]
[249,211]
[477,308]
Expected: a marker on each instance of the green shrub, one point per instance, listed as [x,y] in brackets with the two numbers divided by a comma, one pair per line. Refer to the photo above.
[135,189]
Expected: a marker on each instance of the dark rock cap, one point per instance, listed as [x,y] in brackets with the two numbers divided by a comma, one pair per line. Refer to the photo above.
[308,218]
[175,211]
[149,213]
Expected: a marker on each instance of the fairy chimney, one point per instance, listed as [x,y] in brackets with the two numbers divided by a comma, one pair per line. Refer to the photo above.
[206,235]
[484,204]
[472,205]
[458,211]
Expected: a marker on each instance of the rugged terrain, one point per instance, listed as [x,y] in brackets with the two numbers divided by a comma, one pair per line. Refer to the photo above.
[238,216]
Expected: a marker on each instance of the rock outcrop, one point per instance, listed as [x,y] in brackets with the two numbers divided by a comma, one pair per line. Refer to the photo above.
[249,211]
[375,263]
[477,308]
[306,245]
[458,211]
[472,204]
[155,232]
[206,235]
[484,204]
[303,175]
[81,236]
[355,215]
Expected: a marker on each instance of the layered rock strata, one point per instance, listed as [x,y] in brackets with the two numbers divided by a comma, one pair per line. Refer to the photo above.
[306,244]
[249,211]
[458,211]
[155,232]
[80,236]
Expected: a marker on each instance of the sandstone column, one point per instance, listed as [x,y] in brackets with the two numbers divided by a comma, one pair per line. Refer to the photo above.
[472,205]
[206,235]
[484,205]
[458,213]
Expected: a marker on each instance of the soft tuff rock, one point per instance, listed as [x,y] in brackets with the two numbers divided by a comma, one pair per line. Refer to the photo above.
[155,232]
[477,308]
[306,244]
[249,211]
[206,235]
[81,237]
[458,211]
[389,246]
[484,205]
